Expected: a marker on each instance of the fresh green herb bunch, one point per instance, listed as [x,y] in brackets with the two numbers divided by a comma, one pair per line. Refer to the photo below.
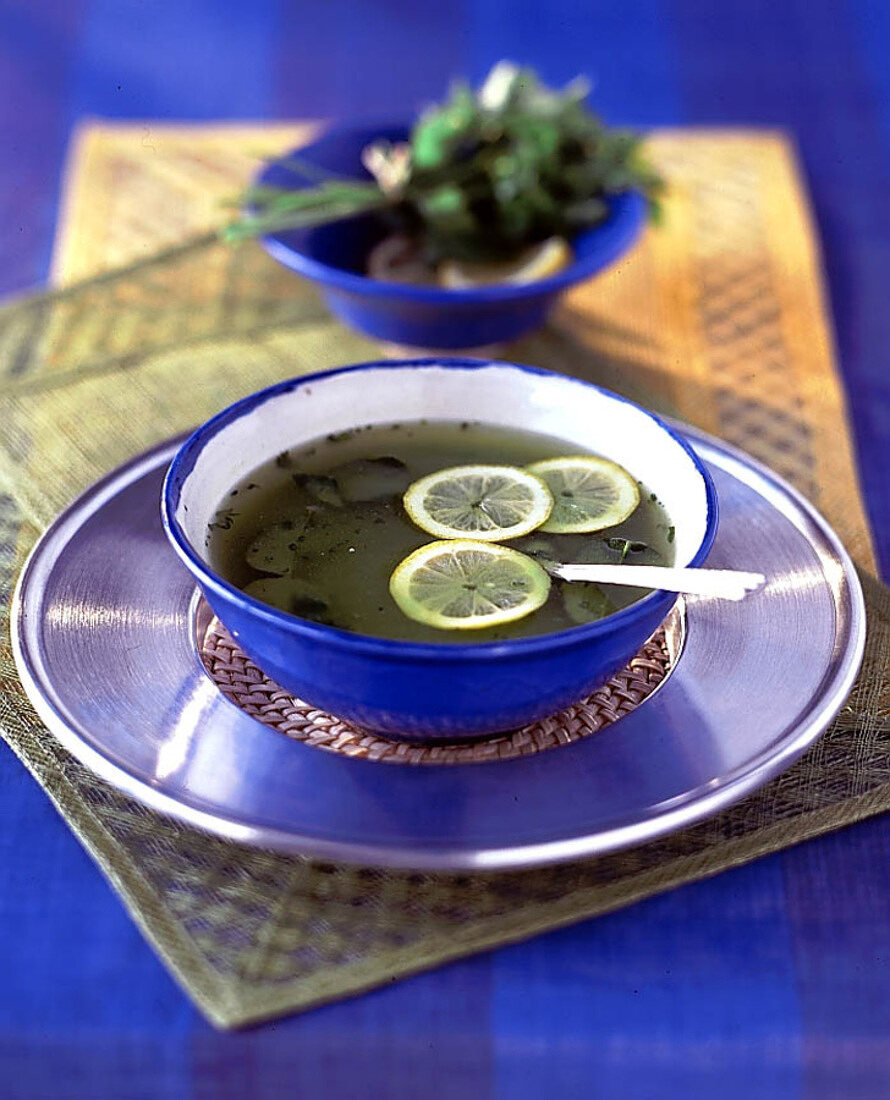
[485,174]
[516,163]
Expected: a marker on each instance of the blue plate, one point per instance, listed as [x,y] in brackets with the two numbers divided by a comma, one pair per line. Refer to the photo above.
[333,256]
[104,636]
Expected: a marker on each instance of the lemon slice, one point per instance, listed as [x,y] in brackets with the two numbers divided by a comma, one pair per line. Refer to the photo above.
[538,262]
[463,584]
[490,503]
[589,493]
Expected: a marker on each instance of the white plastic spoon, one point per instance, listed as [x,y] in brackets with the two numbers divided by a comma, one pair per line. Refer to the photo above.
[723,584]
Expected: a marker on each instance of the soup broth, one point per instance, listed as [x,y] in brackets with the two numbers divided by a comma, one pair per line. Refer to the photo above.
[318,530]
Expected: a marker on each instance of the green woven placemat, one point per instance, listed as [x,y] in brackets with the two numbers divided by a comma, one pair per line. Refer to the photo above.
[93,374]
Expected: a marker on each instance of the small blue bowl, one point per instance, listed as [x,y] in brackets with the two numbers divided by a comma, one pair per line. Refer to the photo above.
[433,692]
[428,317]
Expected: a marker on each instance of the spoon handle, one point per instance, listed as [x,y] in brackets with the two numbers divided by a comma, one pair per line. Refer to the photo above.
[725,584]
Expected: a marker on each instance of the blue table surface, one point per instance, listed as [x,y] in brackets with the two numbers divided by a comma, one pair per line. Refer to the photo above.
[772,980]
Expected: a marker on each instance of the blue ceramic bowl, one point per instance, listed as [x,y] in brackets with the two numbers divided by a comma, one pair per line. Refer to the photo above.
[433,692]
[333,256]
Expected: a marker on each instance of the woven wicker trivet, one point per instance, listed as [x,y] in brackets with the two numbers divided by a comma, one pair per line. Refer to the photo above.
[245,685]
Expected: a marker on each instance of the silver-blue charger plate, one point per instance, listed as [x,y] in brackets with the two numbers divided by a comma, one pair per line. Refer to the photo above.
[105,641]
